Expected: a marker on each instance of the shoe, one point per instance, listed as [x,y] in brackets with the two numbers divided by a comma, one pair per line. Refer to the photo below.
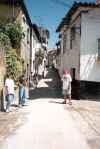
[63,102]
[70,103]
[19,106]
[7,111]
[25,104]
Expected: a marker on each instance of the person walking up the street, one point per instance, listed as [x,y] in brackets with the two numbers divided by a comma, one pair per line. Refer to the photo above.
[9,91]
[66,86]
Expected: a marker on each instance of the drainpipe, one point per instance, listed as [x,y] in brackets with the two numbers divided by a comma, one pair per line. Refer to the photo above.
[13,10]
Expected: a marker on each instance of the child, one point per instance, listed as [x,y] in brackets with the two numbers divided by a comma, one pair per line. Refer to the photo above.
[66,79]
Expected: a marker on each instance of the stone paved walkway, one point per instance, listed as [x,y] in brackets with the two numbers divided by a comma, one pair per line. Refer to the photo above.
[48,126]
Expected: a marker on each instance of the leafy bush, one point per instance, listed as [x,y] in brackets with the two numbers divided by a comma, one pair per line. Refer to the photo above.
[4,40]
[14,66]
[15,34]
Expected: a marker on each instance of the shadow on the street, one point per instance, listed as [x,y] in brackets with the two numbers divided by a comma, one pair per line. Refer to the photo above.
[91,96]
[44,93]
[14,105]
[53,89]
[58,102]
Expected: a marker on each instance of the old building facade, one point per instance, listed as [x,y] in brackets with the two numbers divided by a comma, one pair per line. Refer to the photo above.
[16,11]
[80,42]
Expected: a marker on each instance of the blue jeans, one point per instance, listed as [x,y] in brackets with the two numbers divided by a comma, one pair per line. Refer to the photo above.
[22,95]
[9,100]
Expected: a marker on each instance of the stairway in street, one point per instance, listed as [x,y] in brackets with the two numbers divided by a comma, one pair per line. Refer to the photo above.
[49,87]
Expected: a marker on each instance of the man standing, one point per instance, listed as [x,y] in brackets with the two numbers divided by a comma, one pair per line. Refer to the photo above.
[9,91]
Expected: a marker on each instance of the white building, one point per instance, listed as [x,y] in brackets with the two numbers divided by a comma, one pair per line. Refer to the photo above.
[80,42]
[44,34]
[35,45]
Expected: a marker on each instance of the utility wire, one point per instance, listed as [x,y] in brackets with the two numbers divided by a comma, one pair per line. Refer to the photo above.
[60,2]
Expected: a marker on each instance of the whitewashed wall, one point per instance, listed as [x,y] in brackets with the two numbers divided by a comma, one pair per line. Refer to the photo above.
[89,65]
[34,44]
[60,65]
[70,59]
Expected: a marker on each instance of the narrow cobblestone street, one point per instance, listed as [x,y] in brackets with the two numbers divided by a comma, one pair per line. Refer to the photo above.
[49,51]
[47,124]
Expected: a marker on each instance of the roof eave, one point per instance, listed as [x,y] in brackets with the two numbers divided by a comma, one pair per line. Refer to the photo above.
[72,10]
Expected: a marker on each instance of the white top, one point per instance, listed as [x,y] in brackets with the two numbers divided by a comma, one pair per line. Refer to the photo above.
[40,71]
[66,81]
[9,83]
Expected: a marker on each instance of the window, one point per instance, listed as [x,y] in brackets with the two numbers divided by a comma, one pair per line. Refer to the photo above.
[72,36]
[24,20]
[64,42]
[99,47]
[73,33]
[28,35]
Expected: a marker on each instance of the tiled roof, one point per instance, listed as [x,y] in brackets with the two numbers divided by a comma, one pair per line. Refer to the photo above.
[72,10]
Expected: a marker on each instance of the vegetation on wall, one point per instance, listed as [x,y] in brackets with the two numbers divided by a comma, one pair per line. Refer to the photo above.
[39,57]
[14,32]
[4,40]
[14,66]
[10,37]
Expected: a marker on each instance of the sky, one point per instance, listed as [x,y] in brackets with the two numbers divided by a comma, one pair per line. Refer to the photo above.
[49,13]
